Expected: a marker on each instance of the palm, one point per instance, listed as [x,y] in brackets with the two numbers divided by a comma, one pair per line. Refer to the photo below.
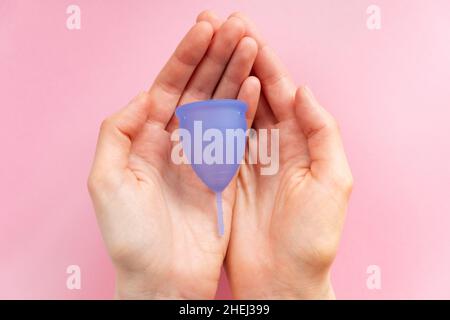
[279,222]
[158,219]
[170,210]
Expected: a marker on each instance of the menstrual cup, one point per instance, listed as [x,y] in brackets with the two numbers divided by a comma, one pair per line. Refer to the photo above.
[212,134]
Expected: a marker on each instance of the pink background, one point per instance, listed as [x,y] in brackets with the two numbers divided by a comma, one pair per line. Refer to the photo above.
[389,90]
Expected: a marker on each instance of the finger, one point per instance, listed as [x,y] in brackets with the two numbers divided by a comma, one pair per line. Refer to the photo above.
[264,117]
[249,92]
[206,77]
[275,80]
[211,17]
[328,160]
[116,134]
[209,72]
[276,83]
[250,28]
[173,78]
[238,69]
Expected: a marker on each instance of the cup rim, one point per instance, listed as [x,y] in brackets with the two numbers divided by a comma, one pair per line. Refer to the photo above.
[239,104]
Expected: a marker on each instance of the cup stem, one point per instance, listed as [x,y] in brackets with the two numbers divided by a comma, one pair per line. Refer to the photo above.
[220,213]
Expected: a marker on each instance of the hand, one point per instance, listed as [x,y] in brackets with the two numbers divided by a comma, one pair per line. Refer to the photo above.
[152,213]
[286,227]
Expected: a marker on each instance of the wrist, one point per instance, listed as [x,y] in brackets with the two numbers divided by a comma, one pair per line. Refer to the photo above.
[318,287]
[132,286]
[140,287]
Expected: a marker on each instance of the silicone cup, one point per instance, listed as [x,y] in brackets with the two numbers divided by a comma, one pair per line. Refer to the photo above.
[221,114]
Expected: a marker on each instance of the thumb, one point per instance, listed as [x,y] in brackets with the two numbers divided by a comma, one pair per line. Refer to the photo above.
[326,150]
[115,138]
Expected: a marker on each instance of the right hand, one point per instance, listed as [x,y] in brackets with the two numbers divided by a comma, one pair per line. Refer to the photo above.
[157,218]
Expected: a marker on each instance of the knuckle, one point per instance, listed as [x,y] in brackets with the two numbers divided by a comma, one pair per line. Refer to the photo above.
[143,98]
[237,23]
[249,47]
[331,123]
[342,184]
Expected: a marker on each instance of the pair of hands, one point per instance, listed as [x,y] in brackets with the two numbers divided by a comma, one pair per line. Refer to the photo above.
[157,218]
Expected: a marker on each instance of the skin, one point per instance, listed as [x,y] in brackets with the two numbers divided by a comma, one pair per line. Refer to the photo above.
[151,212]
[281,231]
[286,227]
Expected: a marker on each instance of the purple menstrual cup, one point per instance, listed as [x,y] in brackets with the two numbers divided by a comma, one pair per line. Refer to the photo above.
[213,135]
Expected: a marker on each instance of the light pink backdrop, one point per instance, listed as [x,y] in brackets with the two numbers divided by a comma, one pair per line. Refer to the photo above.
[389,90]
